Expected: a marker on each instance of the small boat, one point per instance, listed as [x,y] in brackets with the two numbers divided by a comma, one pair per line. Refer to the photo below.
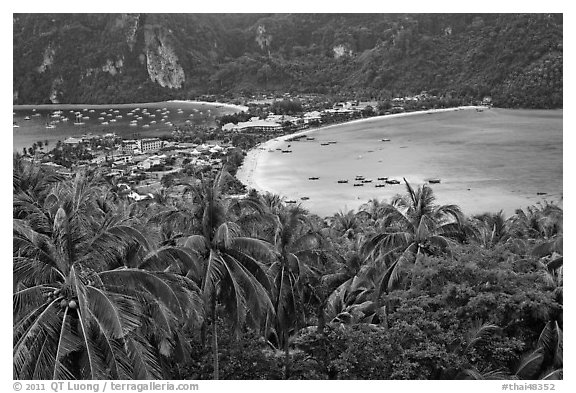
[50,126]
[286,151]
[305,198]
[146,126]
[310,138]
[100,118]
[64,119]
[324,144]
[379,185]
[153,122]
[358,184]
[290,201]
[383,178]
[541,193]
[332,142]
[434,181]
[342,181]
[133,124]
[313,178]
[86,118]
[27,118]
[359,178]
[112,120]
[104,123]
[385,140]
[271,150]
[392,181]
[367,181]
[15,125]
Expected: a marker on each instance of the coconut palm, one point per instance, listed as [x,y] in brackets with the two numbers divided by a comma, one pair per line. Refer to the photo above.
[412,226]
[347,223]
[231,272]
[92,298]
[32,180]
[491,229]
[295,243]
[541,220]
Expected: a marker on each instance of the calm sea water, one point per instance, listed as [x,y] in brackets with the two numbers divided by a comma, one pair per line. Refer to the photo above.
[487,161]
[116,115]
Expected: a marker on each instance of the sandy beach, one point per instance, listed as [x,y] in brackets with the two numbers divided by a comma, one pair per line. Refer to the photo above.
[487,159]
[238,108]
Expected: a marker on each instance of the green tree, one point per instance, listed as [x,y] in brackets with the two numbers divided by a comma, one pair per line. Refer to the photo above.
[93,299]
[413,226]
[231,272]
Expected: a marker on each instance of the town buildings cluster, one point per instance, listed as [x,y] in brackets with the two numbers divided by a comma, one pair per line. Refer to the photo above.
[144,162]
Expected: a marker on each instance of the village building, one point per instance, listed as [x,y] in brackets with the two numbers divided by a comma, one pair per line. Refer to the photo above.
[149,144]
[258,126]
[72,141]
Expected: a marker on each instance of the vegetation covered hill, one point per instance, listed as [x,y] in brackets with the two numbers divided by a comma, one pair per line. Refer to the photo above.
[91,58]
[203,285]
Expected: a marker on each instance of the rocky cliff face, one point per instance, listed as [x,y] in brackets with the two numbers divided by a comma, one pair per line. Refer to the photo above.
[162,61]
[93,58]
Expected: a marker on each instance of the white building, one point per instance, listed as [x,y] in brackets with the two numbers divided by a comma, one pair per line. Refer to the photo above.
[148,144]
[259,125]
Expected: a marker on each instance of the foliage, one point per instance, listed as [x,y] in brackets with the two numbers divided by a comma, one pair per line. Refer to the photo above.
[514,58]
[108,288]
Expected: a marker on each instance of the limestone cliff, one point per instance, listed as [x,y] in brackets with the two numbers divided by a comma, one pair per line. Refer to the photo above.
[162,61]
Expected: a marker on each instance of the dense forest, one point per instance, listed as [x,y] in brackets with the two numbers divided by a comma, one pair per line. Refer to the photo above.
[514,58]
[206,285]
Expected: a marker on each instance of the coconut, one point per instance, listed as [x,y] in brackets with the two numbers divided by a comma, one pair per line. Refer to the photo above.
[72,304]
[64,303]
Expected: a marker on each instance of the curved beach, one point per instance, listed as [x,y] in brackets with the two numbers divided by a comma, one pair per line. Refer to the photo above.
[487,159]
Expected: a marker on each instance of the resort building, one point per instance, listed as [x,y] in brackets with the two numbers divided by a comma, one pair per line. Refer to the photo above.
[258,125]
[148,144]
[72,141]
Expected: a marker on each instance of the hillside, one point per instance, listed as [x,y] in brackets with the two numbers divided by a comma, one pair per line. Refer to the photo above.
[113,58]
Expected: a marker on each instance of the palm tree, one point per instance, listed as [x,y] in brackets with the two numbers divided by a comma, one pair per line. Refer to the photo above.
[541,220]
[347,223]
[92,298]
[231,272]
[295,243]
[412,226]
[491,229]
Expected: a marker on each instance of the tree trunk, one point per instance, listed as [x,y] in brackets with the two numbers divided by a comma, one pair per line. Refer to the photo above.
[286,357]
[215,340]
[321,318]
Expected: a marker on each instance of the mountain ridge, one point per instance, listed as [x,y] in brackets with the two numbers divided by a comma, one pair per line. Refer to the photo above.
[116,58]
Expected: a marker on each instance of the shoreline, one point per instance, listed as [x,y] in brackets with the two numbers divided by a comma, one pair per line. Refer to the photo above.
[127,105]
[242,108]
[254,157]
